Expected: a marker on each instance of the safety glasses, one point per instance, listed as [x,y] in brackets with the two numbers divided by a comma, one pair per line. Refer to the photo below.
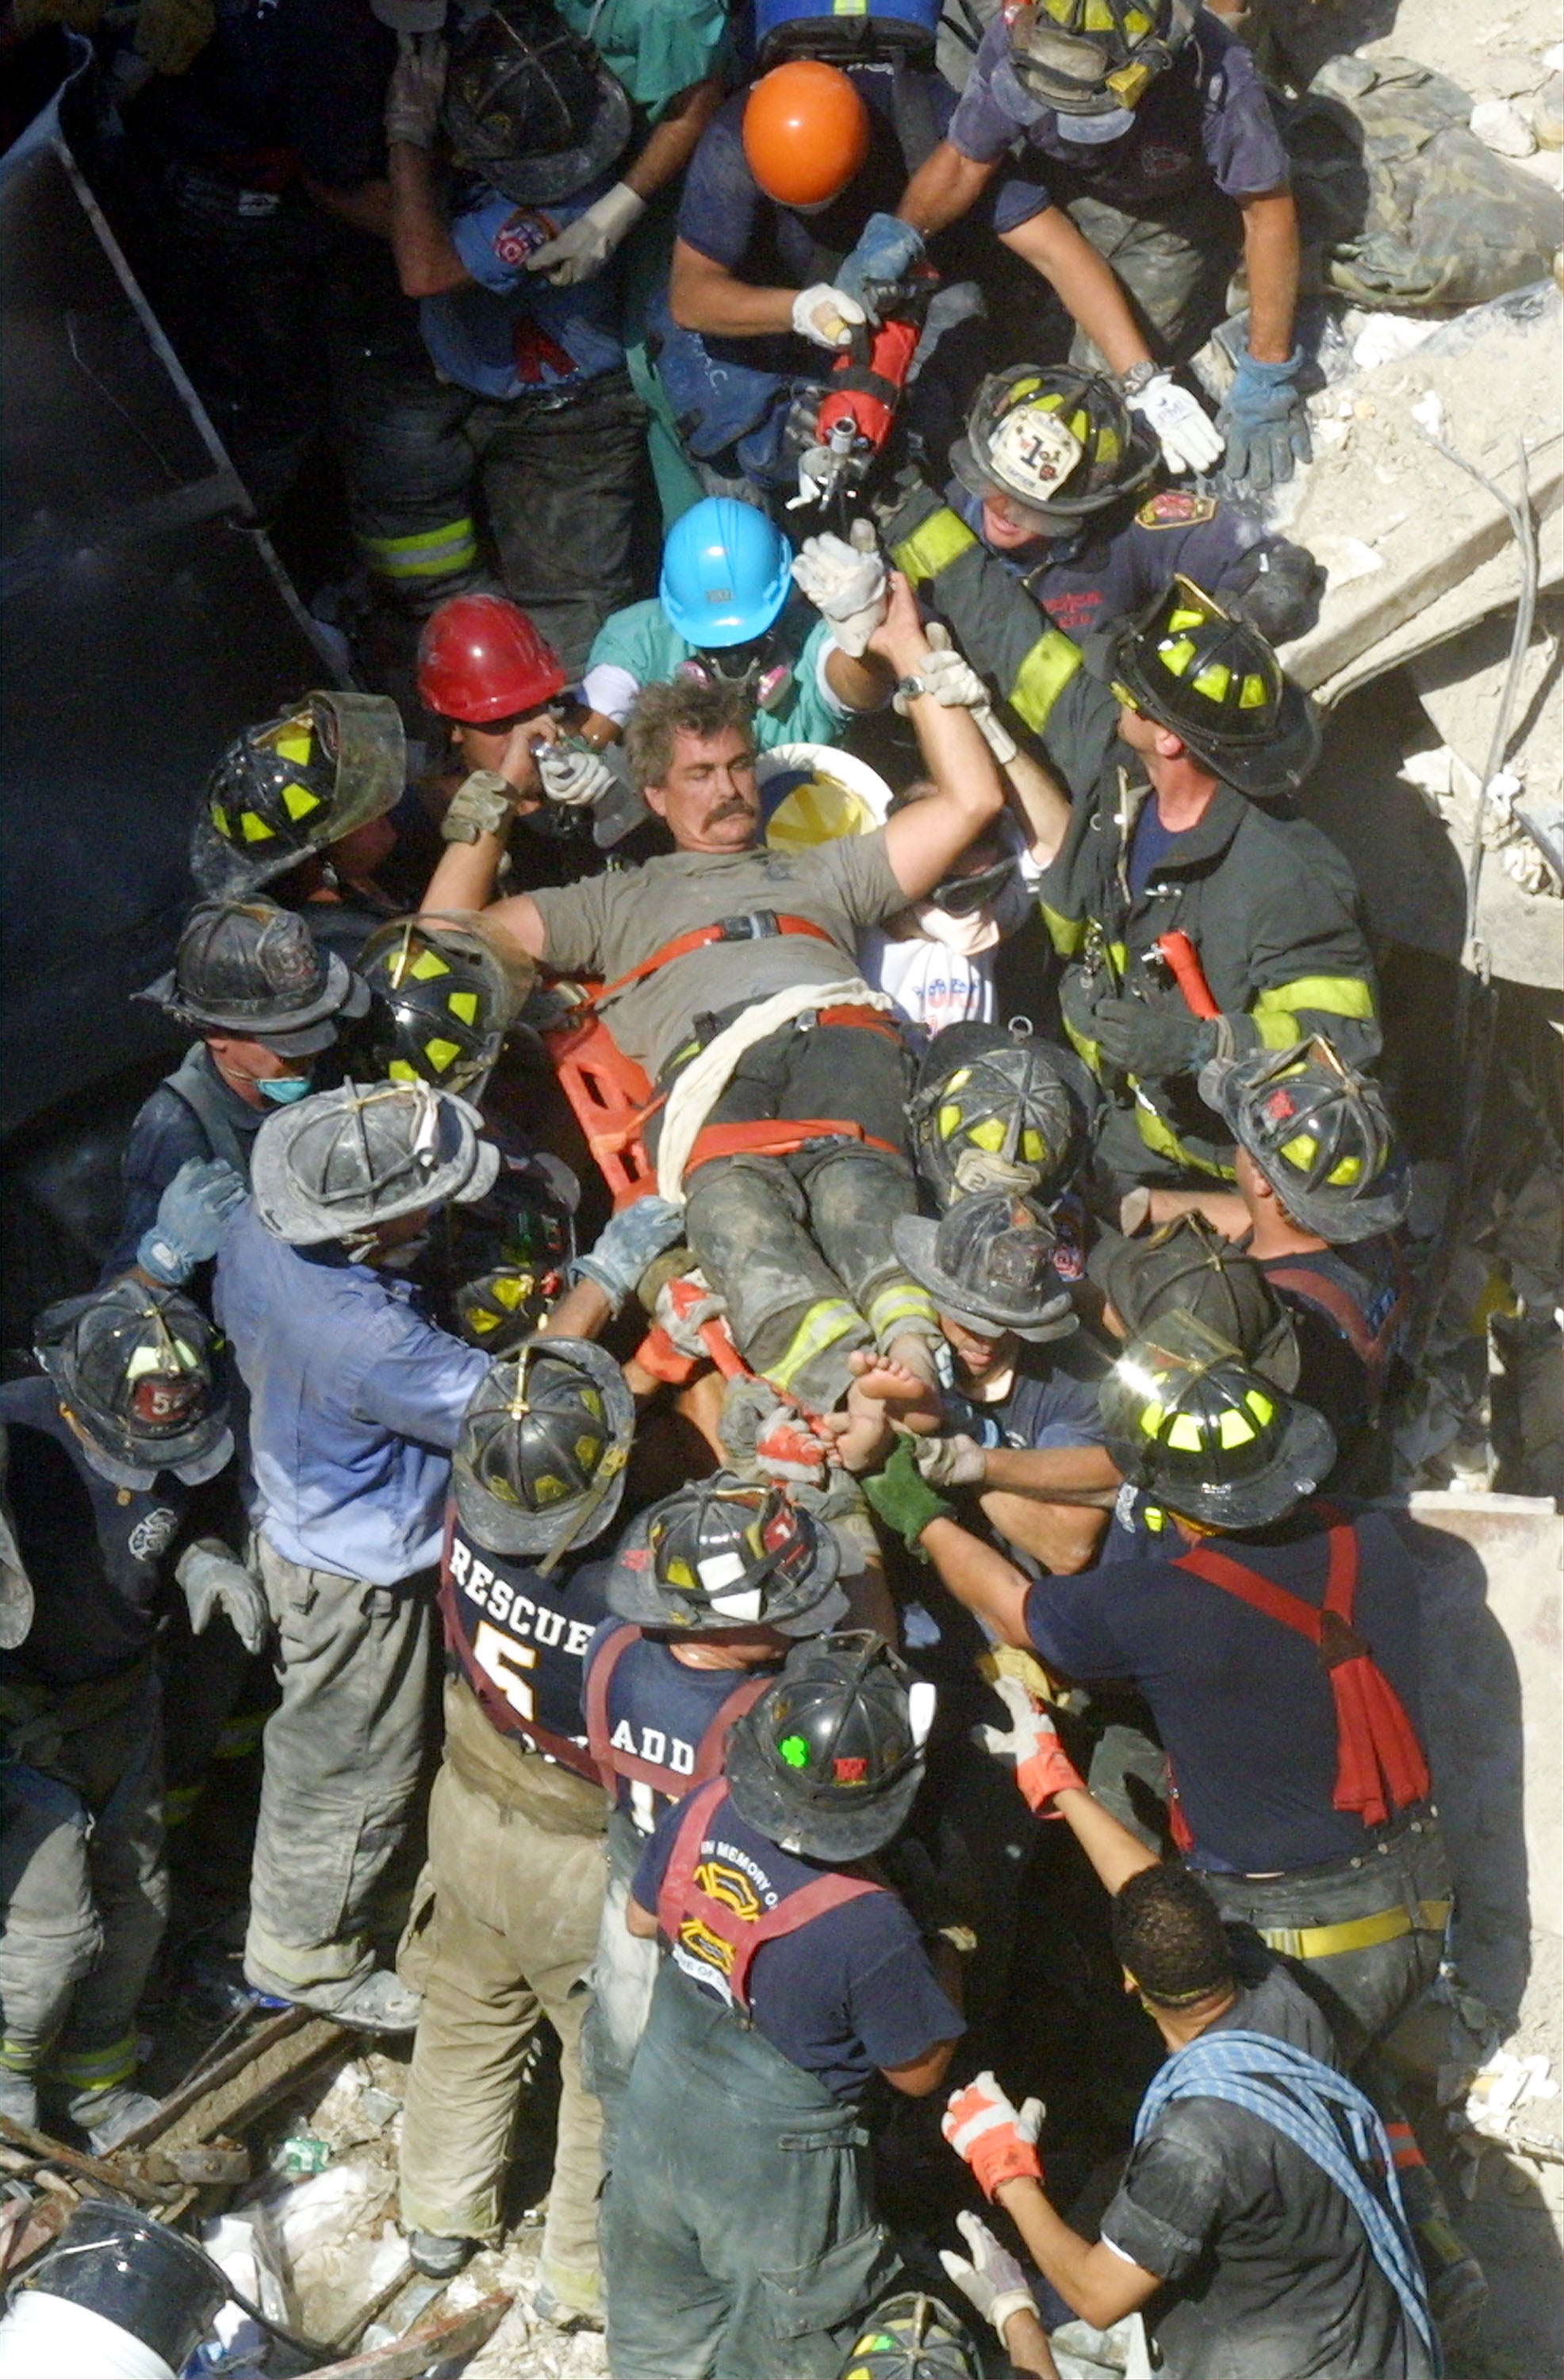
[962,896]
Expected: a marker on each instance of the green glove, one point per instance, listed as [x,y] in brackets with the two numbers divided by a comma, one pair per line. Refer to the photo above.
[903,1499]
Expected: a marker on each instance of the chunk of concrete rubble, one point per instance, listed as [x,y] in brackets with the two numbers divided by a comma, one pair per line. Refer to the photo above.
[1503,129]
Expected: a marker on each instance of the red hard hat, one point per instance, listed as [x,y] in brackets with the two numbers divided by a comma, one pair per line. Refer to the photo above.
[480,658]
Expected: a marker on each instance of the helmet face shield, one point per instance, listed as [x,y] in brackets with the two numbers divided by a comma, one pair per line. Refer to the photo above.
[1188,1420]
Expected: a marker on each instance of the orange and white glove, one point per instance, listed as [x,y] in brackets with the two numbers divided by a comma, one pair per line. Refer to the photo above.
[1043,1768]
[997,2141]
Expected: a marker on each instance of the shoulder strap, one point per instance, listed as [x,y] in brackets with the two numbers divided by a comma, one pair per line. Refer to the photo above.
[714,1742]
[700,938]
[600,1676]
[192,1082]
[678,1877]
[800,1909]
[1261,1593]
[1336,1300]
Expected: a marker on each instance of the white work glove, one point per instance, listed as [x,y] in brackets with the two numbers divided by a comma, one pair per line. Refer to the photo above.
[1191,440]
[583,247]
[1043,1768]
[846,583]
[416,88]
[994,2280]
[949,677]
[213,1581]
[574,778]
[951,1462]
[827,316]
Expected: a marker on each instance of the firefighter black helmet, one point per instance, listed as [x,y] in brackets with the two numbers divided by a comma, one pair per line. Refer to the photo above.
[443,991]
[530,106]
[137,1367]
[1187,1267]
[993,1111]
[250,968]
[340,1162]
[725,1553]
[1320,1135]
[912,2337]
[1057,440]
[540,1465]
[293,785]
[828,1763]
[1214,681]
[988,1263]
[1087,58]
[1205,1434]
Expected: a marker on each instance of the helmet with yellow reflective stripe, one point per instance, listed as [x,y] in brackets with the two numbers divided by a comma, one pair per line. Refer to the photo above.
[1215,683]
[1320,1135]
[1056,443]
[295,785]
[1088,58]
[725,1553]
[442,992]
[993,1110]
[912,2337]
[539,1468]
[138,1369]
[1205,1434]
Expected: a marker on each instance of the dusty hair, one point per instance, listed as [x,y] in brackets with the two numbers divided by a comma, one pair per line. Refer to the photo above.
[1167,1934]
[680,706]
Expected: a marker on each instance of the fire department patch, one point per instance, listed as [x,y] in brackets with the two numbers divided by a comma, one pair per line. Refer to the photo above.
[1175,509]
[521,236]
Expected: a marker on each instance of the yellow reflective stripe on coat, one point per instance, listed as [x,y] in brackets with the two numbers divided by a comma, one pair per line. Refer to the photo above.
[899,1307]
[1043,677]
[830,1319]
[1276,1010]
[432,553]
[1354,1933]
[98,2070]
[1161,1138]
[1066,934]
[932,547]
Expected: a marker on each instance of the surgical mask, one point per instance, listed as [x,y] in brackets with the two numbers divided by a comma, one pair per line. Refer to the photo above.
[283,1089]
[1095,131]
[404,1258]
[968,936]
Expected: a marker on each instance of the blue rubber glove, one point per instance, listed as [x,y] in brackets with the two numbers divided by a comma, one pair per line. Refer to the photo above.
[192,1216]
[887,250]
[1264,424]
[629,1244]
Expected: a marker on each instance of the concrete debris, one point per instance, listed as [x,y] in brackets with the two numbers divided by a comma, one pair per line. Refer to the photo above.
[1503,128]
[1547,113]
[1504,2085]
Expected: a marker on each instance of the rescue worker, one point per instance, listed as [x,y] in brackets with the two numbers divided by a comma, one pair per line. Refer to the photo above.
[265,1002]
[937,959]
[676,1663]
[1279,1655]
[354,1402]
[505,1920]
[1151,130]
[792,1977]
[1192,834]
[1258,2221]
[536,125]
[104,1456]
[1052,517]
[299,806]
[996,1110]
[726,611]
[810,1116]
[1320,1186]
[988,1264]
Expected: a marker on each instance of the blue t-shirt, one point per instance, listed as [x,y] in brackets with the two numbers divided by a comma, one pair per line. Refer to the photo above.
[1051,1402]
[1242,1702]
[516,335]
[1207,117]
[850,1992]
[1150,842]
[659,1711]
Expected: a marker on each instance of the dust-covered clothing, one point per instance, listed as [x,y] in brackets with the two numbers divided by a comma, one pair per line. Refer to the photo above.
[192,1113]
[519,1641]
[502,1933]
[1268,2271]
[608,924]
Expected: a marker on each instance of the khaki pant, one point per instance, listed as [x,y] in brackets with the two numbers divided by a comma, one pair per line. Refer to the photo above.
[504,1933]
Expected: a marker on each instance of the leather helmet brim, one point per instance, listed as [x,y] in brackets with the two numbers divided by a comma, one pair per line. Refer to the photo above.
[222,874]
[913,1238]
[560,175]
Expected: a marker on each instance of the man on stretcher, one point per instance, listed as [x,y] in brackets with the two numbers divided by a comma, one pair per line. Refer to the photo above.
[729,974]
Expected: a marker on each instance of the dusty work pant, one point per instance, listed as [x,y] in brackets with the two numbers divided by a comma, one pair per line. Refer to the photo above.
[800,1247]
[623,1974]
[503,1935]
[83,1891]
[344,1750]
[1174,261]
[739,2233]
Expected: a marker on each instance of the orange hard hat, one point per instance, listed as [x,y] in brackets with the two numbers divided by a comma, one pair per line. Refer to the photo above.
[805,132]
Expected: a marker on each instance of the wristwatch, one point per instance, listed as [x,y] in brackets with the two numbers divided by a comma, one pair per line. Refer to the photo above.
[484,803]
[905,693]
[1139,377]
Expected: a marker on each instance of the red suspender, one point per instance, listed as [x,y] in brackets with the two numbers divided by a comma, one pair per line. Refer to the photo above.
[611,1763]
[1379,1763]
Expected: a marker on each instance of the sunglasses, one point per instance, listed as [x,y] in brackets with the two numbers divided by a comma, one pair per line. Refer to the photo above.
[962,896]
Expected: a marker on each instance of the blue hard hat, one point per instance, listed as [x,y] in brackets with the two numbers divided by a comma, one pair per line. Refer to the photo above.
[726,573]
[803,29]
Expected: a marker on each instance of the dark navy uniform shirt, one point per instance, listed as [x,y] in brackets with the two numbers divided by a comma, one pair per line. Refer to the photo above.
[659,1711]
[520,1640]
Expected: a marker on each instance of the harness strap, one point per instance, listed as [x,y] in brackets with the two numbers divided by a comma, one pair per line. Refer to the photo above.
[1380,1764]
[1335,1300]
[759,926]
[777,1136]
[682,1899]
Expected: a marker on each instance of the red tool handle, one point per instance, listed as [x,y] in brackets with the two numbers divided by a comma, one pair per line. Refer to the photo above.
[1184,965]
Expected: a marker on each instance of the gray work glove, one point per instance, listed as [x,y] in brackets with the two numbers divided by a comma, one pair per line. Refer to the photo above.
[627,1247]
[192,1216]
[580,251]
[214,1581]
[994,2280]
[417,90]
[951,1462]
[572,775]
[1152,1043]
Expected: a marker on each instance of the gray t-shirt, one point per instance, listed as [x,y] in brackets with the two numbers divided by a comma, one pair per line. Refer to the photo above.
[606,924]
